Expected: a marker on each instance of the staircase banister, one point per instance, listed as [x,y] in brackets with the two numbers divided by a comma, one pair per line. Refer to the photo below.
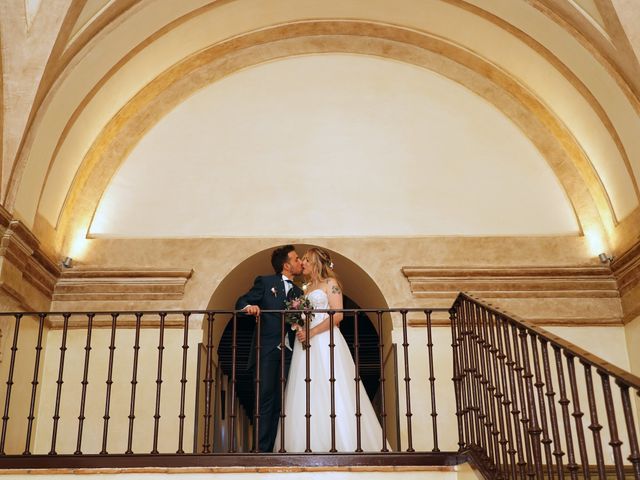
[621,376]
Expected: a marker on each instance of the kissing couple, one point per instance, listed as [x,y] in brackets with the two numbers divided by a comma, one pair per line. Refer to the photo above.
[324,291]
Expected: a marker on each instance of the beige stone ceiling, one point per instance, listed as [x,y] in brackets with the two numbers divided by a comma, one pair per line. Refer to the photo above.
[103,73]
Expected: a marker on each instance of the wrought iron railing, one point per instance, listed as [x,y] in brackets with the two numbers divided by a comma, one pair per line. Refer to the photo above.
[99,389]
[520,394]
[120,389]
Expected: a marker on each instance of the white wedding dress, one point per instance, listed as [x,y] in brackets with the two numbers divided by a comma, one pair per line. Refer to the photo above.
[295,401]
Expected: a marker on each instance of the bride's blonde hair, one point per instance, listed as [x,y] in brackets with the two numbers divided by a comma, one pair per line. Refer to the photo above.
[321,264]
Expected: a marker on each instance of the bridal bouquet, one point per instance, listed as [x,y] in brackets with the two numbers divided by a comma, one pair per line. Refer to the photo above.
[296,319]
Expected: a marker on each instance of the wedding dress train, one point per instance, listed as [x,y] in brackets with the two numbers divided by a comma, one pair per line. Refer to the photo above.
[295,401]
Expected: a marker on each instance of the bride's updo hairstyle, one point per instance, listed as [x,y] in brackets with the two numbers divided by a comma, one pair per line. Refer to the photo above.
[321,264]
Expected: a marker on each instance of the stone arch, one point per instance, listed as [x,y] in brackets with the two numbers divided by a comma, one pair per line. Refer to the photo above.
[358,286]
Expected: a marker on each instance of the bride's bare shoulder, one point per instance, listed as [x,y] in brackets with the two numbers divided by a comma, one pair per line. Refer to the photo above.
[332,286]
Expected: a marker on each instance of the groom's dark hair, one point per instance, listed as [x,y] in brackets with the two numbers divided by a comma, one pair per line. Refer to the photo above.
[280,256]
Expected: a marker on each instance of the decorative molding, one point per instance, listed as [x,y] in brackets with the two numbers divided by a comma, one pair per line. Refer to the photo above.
[22,249]
[512,282]
[130,284]
[626,269]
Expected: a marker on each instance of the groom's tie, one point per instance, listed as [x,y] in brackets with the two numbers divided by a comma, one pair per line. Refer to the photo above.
[290,292]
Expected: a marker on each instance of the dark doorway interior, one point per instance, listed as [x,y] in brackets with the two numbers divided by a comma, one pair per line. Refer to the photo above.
[369,353]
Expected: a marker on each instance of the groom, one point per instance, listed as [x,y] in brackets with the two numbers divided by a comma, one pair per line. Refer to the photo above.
[269,292]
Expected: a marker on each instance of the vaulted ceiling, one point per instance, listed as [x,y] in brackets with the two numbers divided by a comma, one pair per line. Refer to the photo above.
[91,89]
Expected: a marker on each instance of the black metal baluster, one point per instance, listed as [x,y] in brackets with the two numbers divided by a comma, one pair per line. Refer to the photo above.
[407,380]
[34,385]
[234,366]
[594,426]
[183,382]
[502,404]
[515,410]
[489,388]
[332,382]
[85,383]
[550,394]
[12,364]
[634,457]
[546,440]
[475,404]
[307,380]
[208,383]
[481,385]
[534,428]
[432,382]
[134,385]
[156,415]
[59,382]
[577,415]
[356,346]
[256,412]
[615,441]
[465,369]
[383,415]
[572,466]
[457,375]
[524,417]
[283,380]
[109,382]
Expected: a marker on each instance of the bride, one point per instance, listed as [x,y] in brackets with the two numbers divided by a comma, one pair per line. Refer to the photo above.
[324,292]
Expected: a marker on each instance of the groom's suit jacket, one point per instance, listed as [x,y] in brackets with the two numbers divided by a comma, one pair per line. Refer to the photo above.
[268,292]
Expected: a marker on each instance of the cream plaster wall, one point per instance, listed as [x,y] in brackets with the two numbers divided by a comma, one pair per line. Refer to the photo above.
[275,150]
[605,342]
[632,332]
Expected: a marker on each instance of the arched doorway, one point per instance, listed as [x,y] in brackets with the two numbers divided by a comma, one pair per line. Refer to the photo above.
[360,291]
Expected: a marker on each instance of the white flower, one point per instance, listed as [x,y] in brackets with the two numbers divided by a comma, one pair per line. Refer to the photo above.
[274,291]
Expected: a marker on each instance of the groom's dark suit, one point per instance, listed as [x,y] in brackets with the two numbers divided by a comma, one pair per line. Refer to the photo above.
[268,292]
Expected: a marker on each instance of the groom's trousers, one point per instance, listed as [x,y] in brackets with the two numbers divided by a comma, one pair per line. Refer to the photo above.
[270,398]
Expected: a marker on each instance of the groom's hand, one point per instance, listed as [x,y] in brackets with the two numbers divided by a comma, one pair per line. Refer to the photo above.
[252,310]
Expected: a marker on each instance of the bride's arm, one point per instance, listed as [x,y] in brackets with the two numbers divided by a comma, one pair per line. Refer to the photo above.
[335,303]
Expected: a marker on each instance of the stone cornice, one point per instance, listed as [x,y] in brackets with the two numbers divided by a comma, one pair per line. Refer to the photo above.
[513,282]
[20,248]
[626,269]
[129,284]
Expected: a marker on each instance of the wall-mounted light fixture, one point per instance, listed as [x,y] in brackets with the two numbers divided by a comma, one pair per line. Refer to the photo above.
[67,262]
[604,258]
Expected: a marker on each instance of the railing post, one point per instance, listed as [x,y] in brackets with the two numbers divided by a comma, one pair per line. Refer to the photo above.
[332,384]
[109,382]
[572,466]
[383,414]
[432,382]
[546,440]
[534,428]
[34,385]
[59,382]
[85,383]
[634,457]
[283,380]
[134,385]
[183,382]
[457,375]
[156,415]
[615,441]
